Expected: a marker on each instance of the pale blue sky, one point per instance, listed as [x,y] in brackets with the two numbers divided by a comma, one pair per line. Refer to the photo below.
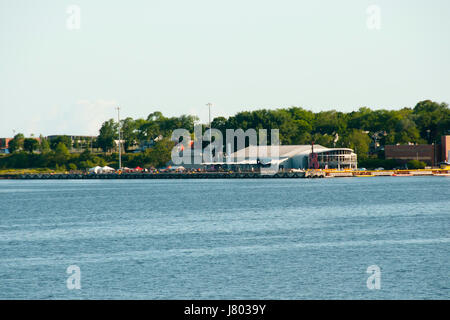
[175,56]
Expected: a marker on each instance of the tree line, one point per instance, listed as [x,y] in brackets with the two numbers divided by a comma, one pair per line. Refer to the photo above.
[423,124]
[362,130]
[61,159]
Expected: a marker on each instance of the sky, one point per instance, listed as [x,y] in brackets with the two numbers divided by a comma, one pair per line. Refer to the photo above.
[58,76]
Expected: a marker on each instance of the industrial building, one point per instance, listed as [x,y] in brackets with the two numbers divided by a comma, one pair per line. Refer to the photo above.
[292,157]
[431,154]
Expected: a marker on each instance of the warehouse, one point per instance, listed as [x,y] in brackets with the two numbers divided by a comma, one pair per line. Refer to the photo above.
[293,157]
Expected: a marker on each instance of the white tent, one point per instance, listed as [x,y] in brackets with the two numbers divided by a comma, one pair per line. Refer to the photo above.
[107,169]
[96,169]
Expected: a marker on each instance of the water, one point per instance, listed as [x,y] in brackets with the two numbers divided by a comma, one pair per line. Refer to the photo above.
[226,239]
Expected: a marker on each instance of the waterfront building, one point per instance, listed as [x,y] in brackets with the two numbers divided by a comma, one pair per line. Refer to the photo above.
[74,139]
[431,154]
[290,157]
[4,145]
[445,148]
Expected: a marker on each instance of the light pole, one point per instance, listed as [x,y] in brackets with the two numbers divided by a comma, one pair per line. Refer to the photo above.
[120,151]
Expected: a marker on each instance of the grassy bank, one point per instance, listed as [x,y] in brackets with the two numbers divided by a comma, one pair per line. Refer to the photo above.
[29,171]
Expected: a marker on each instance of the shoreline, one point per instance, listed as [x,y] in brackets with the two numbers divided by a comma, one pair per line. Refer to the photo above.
[231,175]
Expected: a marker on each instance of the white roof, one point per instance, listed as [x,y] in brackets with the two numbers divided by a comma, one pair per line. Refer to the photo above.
[271,154]
[282,151]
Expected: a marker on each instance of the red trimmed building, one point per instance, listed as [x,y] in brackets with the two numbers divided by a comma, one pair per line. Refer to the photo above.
[4,144]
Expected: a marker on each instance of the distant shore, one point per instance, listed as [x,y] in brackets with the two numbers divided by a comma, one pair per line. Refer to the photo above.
[230,175]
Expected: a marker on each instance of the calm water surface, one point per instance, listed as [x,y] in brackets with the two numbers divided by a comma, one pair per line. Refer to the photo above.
[226,239]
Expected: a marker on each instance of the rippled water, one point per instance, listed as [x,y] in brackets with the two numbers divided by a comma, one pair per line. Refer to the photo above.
[226,239]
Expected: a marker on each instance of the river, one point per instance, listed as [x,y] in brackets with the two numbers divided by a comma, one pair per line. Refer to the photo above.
[226,239]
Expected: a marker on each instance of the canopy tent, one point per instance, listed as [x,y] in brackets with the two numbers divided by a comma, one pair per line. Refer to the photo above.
[107,169]
[138,168]
[96,169]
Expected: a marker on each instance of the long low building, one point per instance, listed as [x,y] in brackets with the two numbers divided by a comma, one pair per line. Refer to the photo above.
[431,154]
[291,157]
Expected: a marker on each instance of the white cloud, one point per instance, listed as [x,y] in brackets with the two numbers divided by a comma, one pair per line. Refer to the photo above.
[89,115]
[84,117]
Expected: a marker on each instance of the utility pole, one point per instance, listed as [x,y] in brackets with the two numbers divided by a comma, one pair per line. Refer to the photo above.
[120,150]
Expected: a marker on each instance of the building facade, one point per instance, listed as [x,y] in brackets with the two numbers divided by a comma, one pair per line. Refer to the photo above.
[4,145]
[293,157]
[431,154]
[445,147]
[405,153]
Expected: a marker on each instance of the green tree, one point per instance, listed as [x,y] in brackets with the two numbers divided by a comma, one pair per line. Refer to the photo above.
[72,166]
[108,133]
[16,143]
[66,140]
[219,123]
[302,132]
[357,140]
[434,117]
[86,164]
[85,155]
[60,168]
[61,154]
[129,134]
[143,132]
[330,122]
[325,140]
[76,144]
[61,149]
[416,164]
[44,146]
[30,144]
[406,131]
[159,155]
